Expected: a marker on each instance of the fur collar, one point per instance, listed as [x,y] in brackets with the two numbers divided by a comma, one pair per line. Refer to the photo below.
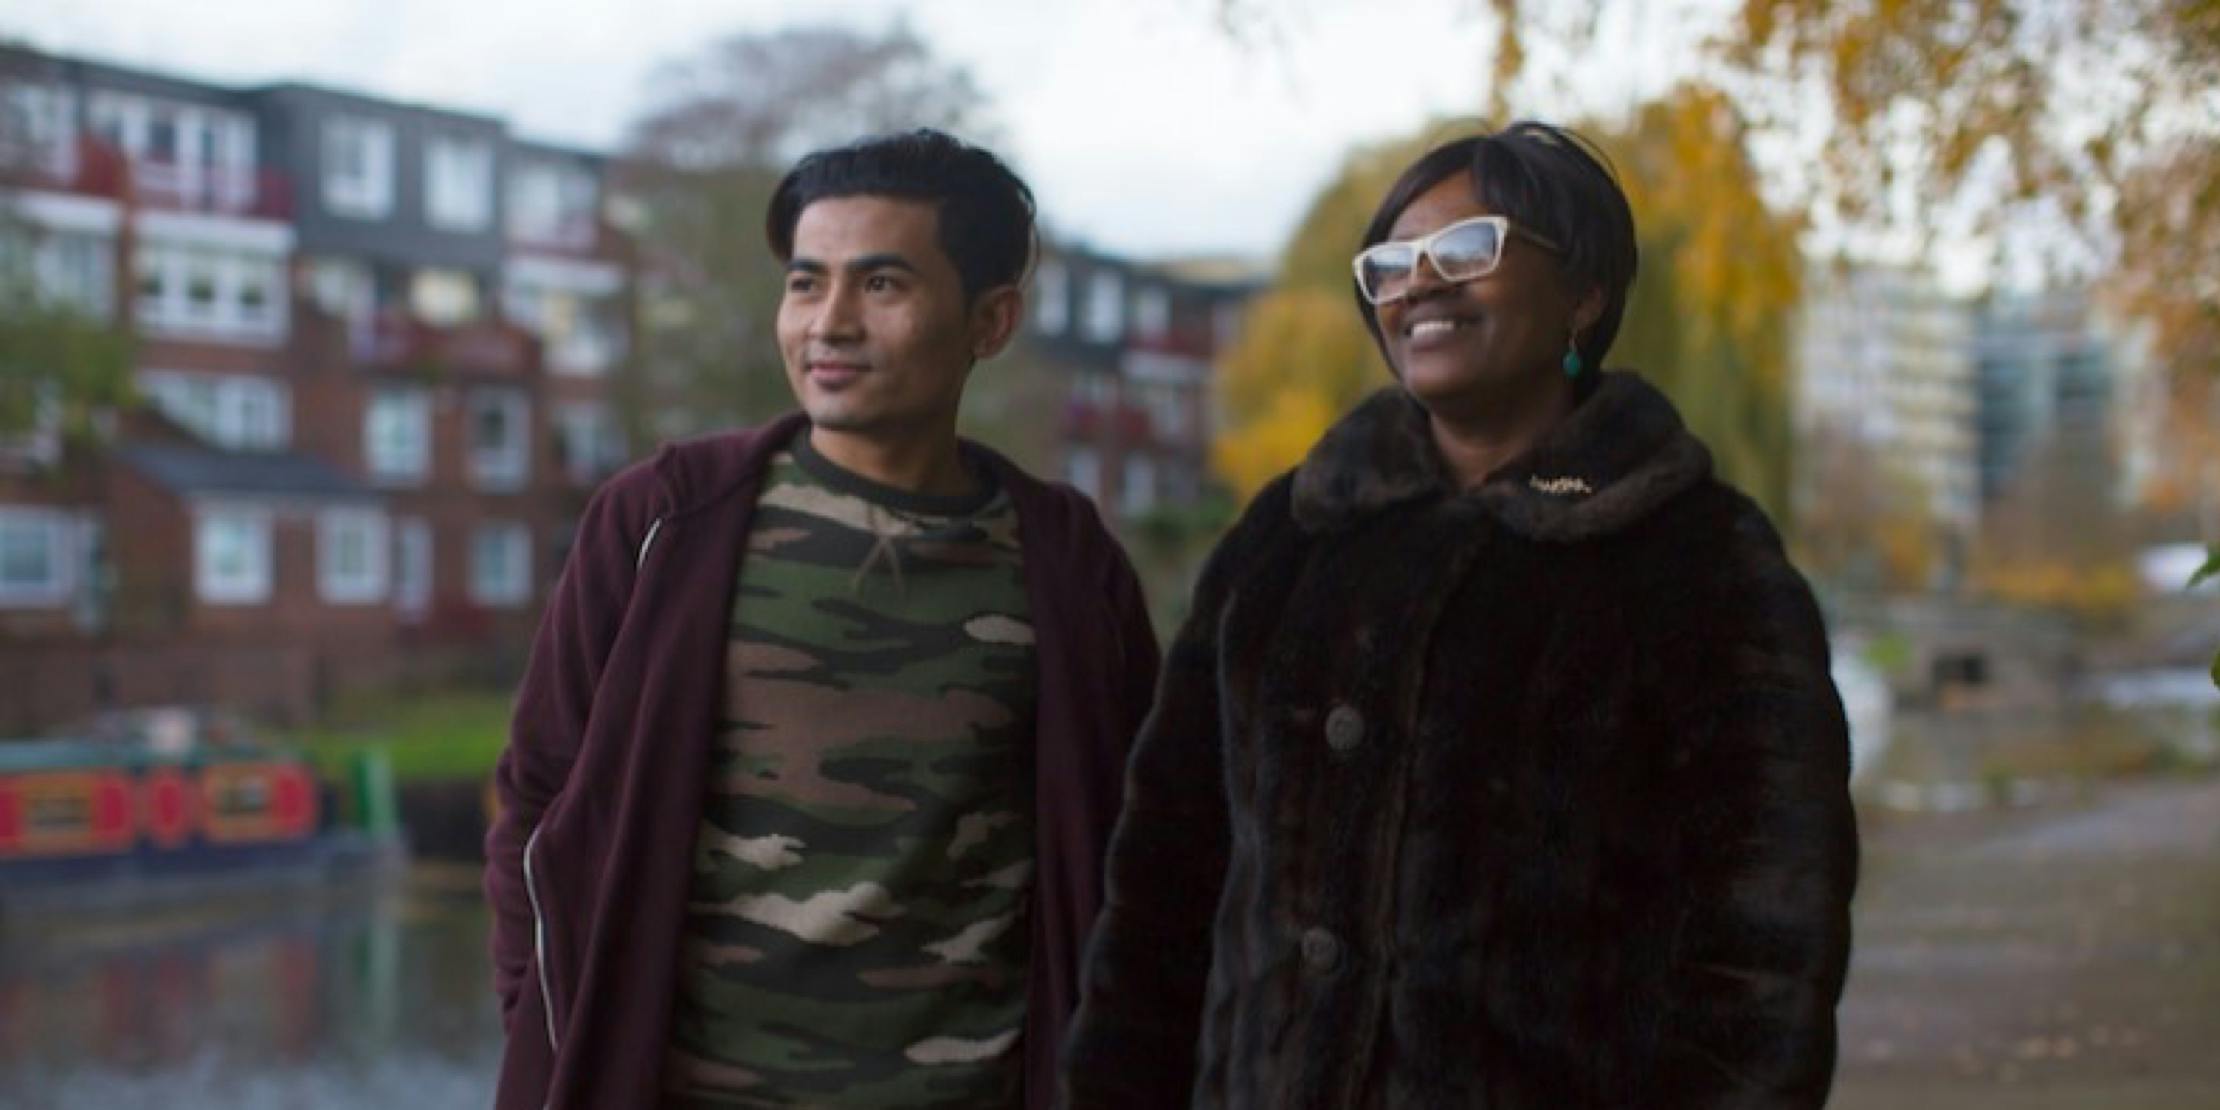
[1620,454]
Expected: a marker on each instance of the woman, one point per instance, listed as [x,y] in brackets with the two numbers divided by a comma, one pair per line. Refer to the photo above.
[1498,763]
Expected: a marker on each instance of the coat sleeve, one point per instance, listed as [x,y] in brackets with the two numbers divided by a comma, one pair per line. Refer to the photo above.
[1133,1041]
[1142,657]
[1770,859]
[553,702]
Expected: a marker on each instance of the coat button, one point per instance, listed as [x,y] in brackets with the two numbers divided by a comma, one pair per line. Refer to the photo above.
[1321,950]
[1344,728]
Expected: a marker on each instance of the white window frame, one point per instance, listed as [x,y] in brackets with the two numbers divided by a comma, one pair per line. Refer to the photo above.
[394,459]
[445,297]
[1052,307]
[552,203]
[362,191]
[1167,411]
[1137,485]
[514,562]
[171,309]
[1152,312]
[1103,321]
[47,113]
[251,583]
[243,412]
[576,319]
[337,583]
[60,545]
[344,287]
[592,442]
[458,183]
[77,269]
[1083,470]
[413,566]
[503,466]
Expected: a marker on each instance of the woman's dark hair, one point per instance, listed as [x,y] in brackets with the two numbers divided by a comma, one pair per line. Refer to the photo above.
[1548,179]
[986,213]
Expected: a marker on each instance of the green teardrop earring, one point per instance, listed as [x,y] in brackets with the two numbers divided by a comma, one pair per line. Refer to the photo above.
[1572,362]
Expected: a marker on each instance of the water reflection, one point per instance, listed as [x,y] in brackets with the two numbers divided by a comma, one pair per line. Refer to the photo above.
[324,998]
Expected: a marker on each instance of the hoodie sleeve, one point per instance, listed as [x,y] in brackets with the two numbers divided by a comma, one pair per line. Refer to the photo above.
[1769,858]
[1133,1042]
[554,701]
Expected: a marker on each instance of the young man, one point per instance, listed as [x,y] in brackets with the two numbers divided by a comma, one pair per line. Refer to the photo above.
[823,734]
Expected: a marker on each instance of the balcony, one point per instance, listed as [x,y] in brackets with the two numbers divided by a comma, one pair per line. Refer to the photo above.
[1091,421]
[99,169]
[1182,342]
[396,340]
[570,235]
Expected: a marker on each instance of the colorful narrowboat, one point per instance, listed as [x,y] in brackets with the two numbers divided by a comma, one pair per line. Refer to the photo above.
[80,812]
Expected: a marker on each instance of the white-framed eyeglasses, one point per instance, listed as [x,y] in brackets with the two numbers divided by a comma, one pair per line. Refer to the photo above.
[1462,251]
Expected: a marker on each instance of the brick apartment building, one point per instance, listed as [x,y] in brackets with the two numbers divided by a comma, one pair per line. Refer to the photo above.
[373,346]
[377,346]
[1135,344]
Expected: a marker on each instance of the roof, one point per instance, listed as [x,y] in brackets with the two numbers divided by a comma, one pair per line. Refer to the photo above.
[199,470]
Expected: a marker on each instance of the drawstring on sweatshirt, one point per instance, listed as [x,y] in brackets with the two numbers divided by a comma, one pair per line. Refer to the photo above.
[883,541]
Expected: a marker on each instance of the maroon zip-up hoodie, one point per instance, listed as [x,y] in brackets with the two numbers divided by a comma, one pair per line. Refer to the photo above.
[589,863]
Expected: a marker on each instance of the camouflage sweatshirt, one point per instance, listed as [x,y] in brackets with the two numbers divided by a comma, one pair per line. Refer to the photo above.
[855,935]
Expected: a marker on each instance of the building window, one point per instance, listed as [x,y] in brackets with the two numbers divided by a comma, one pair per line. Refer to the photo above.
[500,455]
[1084,471]
[587,441]
[236,411]
[1168,412]
[552,204]
[412,567]
[35,557]
[351,556]
[1095,389]
[501,564]
[231,550]
[1152,312]
[358,167]
[203,291]
[36,128]
[255,295]
[576,316]
[1052,309]
[344,288]
[1104,321]
[397,435]
[77,270]
[444,297]
[1137,493]
[200,287]
[458,184]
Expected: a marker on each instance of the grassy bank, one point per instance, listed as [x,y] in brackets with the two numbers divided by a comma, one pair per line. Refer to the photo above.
[444,736]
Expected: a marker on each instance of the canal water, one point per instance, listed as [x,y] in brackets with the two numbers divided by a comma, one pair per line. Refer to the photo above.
[359,998]
[309,998]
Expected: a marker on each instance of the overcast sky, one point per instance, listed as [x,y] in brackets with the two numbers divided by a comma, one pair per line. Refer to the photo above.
[1141,126]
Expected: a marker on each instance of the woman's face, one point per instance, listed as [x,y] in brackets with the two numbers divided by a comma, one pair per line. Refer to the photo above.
[1506,330]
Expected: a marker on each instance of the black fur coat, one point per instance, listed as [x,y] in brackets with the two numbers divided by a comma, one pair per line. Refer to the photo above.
[1534,796]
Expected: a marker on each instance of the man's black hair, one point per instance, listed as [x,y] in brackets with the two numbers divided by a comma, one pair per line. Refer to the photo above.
[986,212]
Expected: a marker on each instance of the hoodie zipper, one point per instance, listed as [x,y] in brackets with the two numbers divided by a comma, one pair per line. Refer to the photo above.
[531,882]
[640,560]
[539,938]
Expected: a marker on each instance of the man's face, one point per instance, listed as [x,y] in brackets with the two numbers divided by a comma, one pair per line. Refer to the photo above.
[874,325]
